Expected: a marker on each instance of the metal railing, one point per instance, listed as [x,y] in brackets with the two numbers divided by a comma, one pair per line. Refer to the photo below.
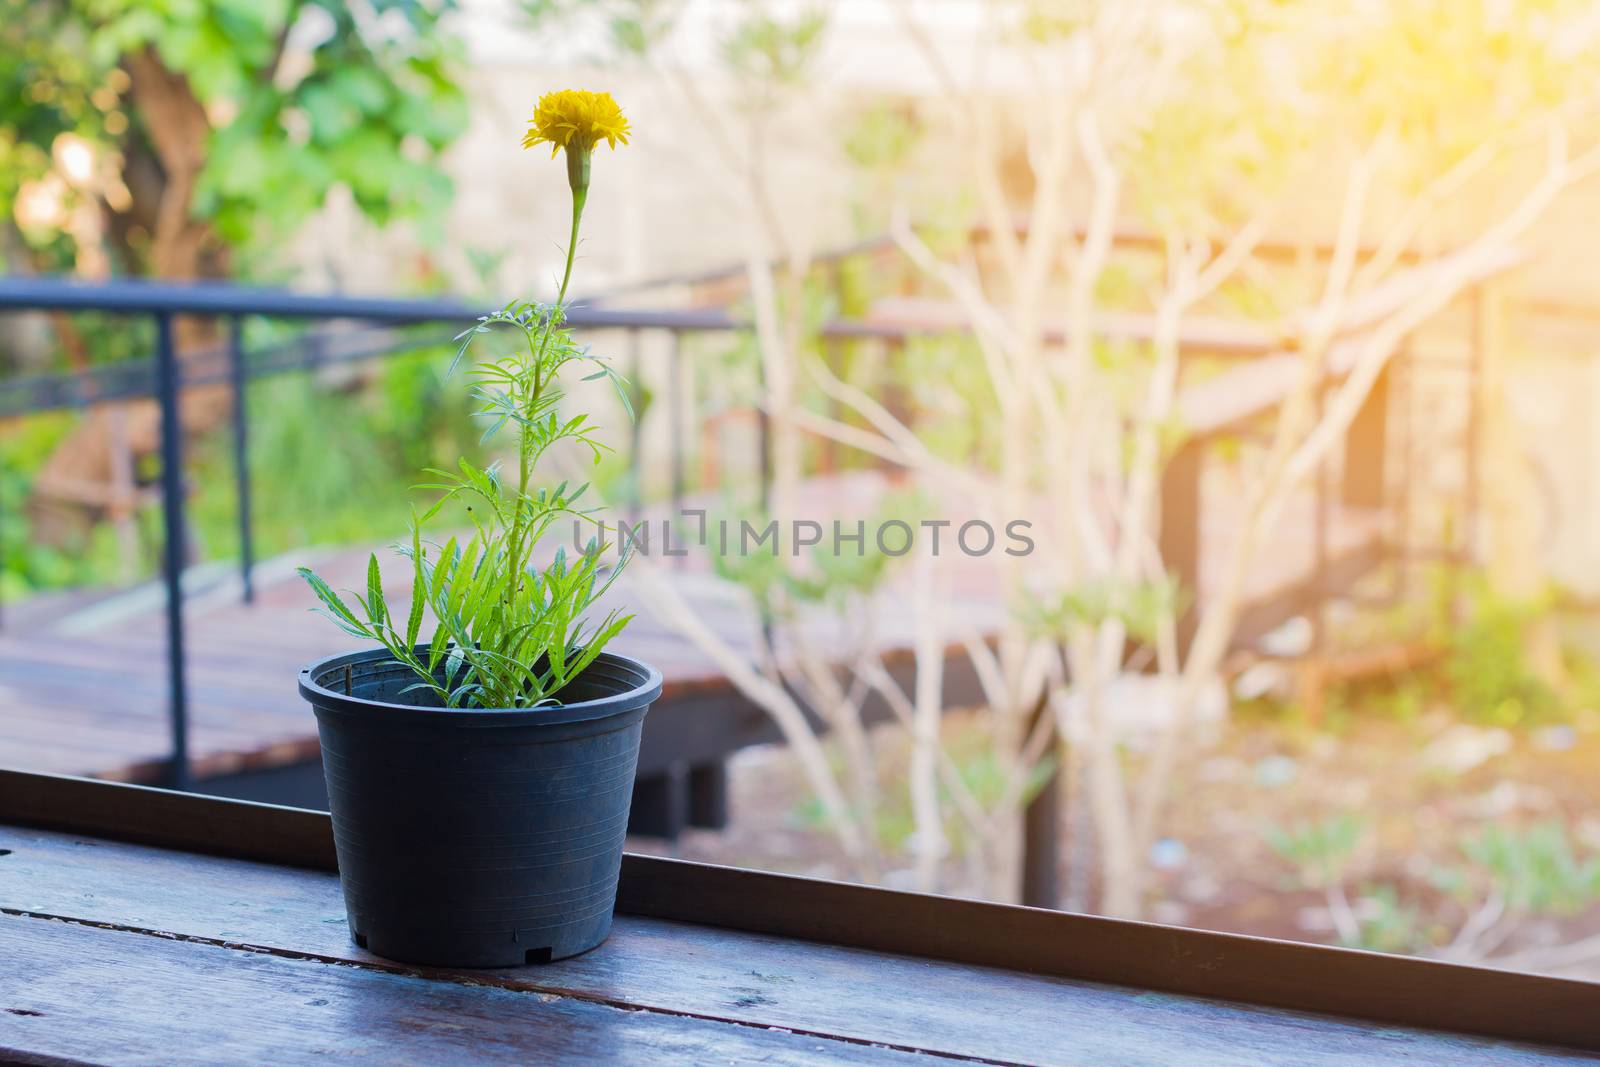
[165,375]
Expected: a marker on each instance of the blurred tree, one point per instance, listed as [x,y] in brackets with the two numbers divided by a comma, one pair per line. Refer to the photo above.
[197,127]
[1400,149]
[167,137]
[629,27]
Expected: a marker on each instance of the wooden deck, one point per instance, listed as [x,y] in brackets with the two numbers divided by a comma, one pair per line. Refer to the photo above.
[120,952]
[87,694]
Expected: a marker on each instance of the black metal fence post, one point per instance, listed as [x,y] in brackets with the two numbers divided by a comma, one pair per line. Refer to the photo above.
[635,426]
[1041,824]
[241,456]
[175,543]
[676,397]
[675,402]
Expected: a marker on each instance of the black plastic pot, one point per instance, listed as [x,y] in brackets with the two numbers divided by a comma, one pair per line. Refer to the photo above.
[478,838]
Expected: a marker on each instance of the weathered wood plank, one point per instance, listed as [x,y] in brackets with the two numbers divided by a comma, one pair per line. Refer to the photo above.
[90,995]
[265,833]
[1396,989]
[758,979]
[1390,989]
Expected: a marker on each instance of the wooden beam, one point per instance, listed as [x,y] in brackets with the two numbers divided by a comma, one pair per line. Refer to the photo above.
[1390,989]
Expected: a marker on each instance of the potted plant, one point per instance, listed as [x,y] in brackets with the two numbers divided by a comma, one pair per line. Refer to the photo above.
[480,778]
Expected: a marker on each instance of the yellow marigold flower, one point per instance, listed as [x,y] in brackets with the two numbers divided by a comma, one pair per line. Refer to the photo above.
[576,120]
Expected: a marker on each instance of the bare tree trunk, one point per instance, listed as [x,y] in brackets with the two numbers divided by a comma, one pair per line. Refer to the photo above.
[80,482]
[1510,502]
[178,130]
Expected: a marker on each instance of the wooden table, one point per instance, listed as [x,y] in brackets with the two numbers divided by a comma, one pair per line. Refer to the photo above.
[145,927]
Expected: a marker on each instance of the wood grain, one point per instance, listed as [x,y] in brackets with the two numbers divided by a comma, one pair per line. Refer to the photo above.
[121,812]
[88,995]
[756,979]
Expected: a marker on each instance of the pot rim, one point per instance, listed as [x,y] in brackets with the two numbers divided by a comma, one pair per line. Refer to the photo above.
[322,698]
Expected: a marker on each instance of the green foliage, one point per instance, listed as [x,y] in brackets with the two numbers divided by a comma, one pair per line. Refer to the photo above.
[1280,91]
[776,48]
[1487,666]
[1139,606]
[508,632]
[1405,701]
[983,774]
[882,136]
[1387,923]
[633,27]
[331,466]
[1444,75]
[1209,156]
[1320,849]
[769,47]
[28,566]
[328,465]
[1536,870]
[1042,21]
[368,103]
[944,382]
[1533,871]
[48,86]
[835,578]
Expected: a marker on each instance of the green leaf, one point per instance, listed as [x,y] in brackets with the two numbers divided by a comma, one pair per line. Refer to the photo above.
[362,87]
[333,117]
[419,592]
[449,559]
[336,607]
[377,610]
[438,647]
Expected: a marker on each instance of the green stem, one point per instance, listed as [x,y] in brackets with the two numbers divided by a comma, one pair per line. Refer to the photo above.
[579,197]
[515,565]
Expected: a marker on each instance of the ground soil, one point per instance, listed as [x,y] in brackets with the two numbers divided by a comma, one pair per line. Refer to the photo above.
[1420,786]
